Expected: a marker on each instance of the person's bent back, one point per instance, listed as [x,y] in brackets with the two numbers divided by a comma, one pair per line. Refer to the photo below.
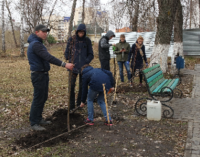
[95,78]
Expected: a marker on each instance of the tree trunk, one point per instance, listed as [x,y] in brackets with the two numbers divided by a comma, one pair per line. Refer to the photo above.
[165,20]
[83,13]
[11,22]
[3,29]
[135,17]
[72,18]
[70,73]
[178,34]
[22,29]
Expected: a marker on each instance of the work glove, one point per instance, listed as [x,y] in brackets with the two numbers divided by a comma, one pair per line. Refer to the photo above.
[127,62]
[147,64]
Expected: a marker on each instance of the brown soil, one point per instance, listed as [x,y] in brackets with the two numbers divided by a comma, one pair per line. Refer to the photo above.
[59,126]
[130,134]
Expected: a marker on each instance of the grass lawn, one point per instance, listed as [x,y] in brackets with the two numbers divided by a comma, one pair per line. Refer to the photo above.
[130,136]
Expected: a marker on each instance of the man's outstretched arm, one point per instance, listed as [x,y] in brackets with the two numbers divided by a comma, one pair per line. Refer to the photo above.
[39,50]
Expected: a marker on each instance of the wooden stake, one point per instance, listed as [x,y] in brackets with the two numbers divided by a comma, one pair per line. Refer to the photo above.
[105,98]
[116,87]
[114,68]
[69,101]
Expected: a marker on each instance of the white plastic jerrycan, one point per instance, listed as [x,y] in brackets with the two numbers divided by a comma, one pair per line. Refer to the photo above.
[154,110]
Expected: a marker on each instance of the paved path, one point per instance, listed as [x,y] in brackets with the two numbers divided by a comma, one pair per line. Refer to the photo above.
[188,109]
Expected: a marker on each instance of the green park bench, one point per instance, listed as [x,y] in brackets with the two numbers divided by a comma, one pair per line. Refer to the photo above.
[158,88]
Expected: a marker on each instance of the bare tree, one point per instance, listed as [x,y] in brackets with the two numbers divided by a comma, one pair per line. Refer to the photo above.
[165,21]
[83,13]
[33,12]
[134,21]
[178,30]
[117,14]
[141,13]
[71,48]
[3,28]
[147,15]
[133,7]
[11,22]
[72,18]
[194,16]
[51,13]
[186,13]
[178,35]
[22,29]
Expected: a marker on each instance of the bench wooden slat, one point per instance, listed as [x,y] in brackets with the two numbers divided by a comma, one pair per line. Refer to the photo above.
[165,85]
[154,76]
[157,84]
[174,84]
[169,85]
[151,68]
[150,73]
[154,81]
[156,90]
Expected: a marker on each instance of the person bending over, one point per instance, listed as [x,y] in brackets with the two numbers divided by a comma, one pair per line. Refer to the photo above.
[95,78]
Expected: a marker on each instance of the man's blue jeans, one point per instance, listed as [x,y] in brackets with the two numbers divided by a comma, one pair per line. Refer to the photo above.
[120,64]
[40,83]
[100,100]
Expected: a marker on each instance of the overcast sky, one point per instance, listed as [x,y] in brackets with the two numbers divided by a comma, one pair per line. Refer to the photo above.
[63,10]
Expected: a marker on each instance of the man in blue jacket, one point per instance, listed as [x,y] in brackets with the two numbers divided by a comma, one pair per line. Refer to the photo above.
[95,78]
[39,59]
[79,52]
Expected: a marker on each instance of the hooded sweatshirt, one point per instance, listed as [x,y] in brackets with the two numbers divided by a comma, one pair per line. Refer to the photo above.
[38,56]
[81,52]
[104,46]
[95,78]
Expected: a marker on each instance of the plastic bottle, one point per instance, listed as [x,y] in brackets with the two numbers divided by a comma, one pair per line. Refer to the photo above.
[154,110]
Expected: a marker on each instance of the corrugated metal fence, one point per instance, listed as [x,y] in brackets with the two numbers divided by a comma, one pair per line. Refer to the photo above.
[191,41]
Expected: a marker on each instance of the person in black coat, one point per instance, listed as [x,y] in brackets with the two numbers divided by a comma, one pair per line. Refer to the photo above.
[104,53]
[79,52]
[137,53]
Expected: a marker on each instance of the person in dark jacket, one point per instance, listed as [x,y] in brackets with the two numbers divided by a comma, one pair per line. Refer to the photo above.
[79,52]
[39,59]
[137,53]
[95,78]
[104,54]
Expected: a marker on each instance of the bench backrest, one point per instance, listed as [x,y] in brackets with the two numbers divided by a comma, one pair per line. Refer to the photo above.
[153,77]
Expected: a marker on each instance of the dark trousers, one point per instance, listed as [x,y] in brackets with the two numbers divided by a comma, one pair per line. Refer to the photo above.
[105,64]
[40,83]
[140,75]
[73,85]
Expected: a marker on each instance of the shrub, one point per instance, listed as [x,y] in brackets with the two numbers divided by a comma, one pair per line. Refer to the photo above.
[51,39]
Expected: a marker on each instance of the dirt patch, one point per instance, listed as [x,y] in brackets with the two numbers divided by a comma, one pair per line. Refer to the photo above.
[130,136]
[135,88]
[59,126]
